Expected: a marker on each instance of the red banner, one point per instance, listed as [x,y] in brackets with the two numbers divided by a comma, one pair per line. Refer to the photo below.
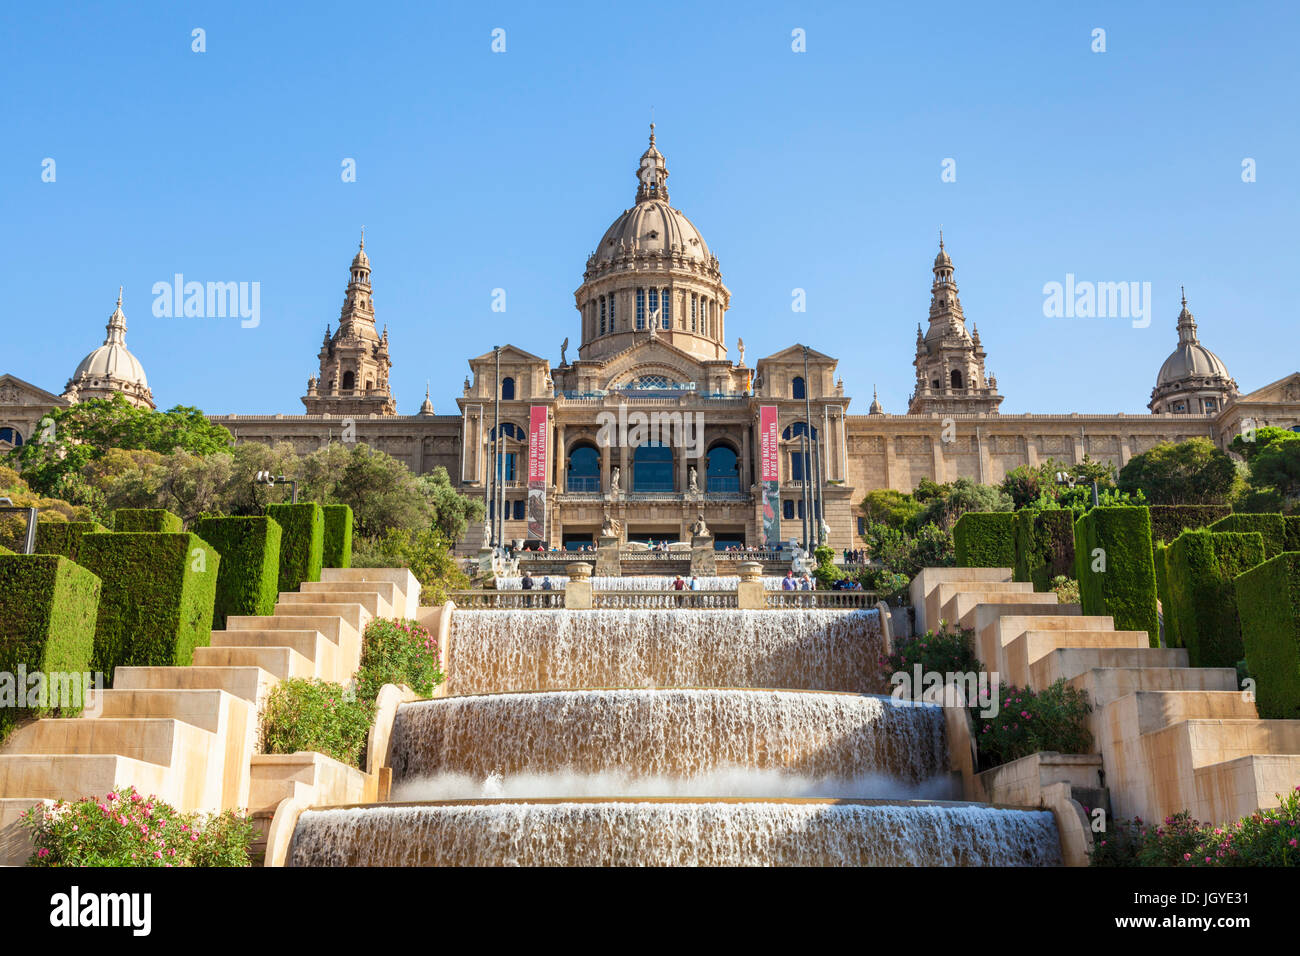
[537,469]
[769,450]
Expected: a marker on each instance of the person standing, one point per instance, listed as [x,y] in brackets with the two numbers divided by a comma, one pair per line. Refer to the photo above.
[527,585]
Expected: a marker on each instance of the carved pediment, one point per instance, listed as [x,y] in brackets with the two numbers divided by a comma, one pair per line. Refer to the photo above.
[15,391]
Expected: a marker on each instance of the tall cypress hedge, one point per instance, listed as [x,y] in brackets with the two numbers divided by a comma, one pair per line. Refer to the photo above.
[1161,561]
[985,539]
[1271,526]
[1116,541]
[1169,521]
[146,519]
[1292,542]
[47,625]
[1201,567]
[337,549]
[1044,546]
[159,592]
[248,579]
[1268,607]
[302,542]
[63,537]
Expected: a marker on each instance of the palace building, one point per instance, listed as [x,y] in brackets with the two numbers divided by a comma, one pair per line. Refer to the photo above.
[775,432]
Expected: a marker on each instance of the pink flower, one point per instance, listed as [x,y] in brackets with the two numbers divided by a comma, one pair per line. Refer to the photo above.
[112,797]
[1187,856]
[157,855]
[42,853]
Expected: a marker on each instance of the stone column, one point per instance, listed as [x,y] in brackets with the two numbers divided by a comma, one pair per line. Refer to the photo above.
[746,466]
[749,590]
[624,476]
[561,459]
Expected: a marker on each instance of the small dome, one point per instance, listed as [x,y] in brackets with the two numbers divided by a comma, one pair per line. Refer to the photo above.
[876,408]
[1191,360]
[112,361]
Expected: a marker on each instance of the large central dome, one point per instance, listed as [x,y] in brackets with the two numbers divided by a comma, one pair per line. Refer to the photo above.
[652,275]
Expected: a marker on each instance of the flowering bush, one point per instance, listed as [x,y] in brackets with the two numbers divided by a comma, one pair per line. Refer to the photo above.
[1265,838]
[127,829]
[318,716]
[1066,588]
[1028,721]
[941,651]
[396,651]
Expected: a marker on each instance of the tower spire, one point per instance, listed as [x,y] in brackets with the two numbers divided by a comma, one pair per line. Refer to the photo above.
[116,327]
[652,174]
[1186,324]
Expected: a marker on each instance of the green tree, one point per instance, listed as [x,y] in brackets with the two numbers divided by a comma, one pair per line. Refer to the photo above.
[944,504]
[887,506]
[1193,472]
[453,512]
[427,553]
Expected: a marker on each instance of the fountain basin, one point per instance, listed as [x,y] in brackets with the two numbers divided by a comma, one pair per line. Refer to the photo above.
[650,832]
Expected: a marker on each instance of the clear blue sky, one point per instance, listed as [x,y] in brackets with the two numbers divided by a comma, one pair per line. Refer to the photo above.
[818,170]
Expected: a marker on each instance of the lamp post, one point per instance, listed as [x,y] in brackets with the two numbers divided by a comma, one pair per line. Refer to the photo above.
[268,478]
[1069,480]
[498,463]
[808,521]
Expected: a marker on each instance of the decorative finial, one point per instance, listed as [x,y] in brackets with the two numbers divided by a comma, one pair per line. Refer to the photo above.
[941,238]
[363,237]
[874,394]
[652,133]
[1183,289]
[426,389]
[119,297]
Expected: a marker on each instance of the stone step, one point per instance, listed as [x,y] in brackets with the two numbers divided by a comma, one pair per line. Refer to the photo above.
[376,604]
[964,607]
[73,776]
[199,708]
[387,591]
[15,839]
[354,614]
[1020,654]
[331,626]
[407,585]
[995,627]
[1236,788]
[1063,663]
[1104,684]
[281,662]
[250,683]
[925,600]
[1159,709]
[164,741]
[313,645]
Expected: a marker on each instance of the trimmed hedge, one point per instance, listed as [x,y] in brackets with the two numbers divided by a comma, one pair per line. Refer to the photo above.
[1044,546]
[1272,527]
[1160,557]
[337,549]
[1201,567]
[159,593]
[147,519]
[1292,542]
[302,542]
[985,539]
[1124,586]
[47,625]
[1268,607]
[64,537]
[249,575]
[1169,521]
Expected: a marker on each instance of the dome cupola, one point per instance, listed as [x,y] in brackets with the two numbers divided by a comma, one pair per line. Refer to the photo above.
[111,368]
[1192,380]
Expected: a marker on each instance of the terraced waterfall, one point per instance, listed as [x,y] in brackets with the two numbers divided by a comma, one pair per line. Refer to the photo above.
[670,737]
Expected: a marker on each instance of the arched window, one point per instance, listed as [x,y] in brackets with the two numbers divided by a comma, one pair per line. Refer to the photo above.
[797,388]
[507,389]
[583,473]
[797,429]
[652,382]
[666,298]
[723,469]
[508,430]
[602,315]
[640,308]
[652,468]
[11,435]
[956,378]
[349,381]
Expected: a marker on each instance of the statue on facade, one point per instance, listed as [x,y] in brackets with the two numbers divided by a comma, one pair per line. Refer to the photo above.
[694,481]
[613,481]
[564,347]
[487,533]
[698,528]
[610,527]
[740,347]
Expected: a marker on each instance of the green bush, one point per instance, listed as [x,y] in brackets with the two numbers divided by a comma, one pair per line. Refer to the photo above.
[127,829]
[1169,521]
[1265,838]
[397,651]
[64,537]
[1272,527]
[825,573]
[1201,567]
[47,626]
[939,652]
[158,597]
[147,519]
[1116,541]
[985,539]
[1160,558]
[248,580]
[337,548]
[319,717]
[1066,588]
[302,542]
[1044,546]
[1268,607]
[1028,721]
[1292,542]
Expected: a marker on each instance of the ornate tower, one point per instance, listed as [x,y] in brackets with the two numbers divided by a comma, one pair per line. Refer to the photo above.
[652,275]
[949,360]
[1193,380]
[354,361]
[111,368]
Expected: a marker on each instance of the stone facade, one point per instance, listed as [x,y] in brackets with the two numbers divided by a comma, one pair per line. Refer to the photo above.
[652,310]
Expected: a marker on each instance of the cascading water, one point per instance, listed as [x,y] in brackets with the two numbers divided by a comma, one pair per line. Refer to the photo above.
[662,737]
[637,582]
[506,650]
[676,833]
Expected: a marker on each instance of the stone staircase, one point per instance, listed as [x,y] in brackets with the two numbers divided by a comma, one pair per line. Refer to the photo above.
[188,734]
[1171,737]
